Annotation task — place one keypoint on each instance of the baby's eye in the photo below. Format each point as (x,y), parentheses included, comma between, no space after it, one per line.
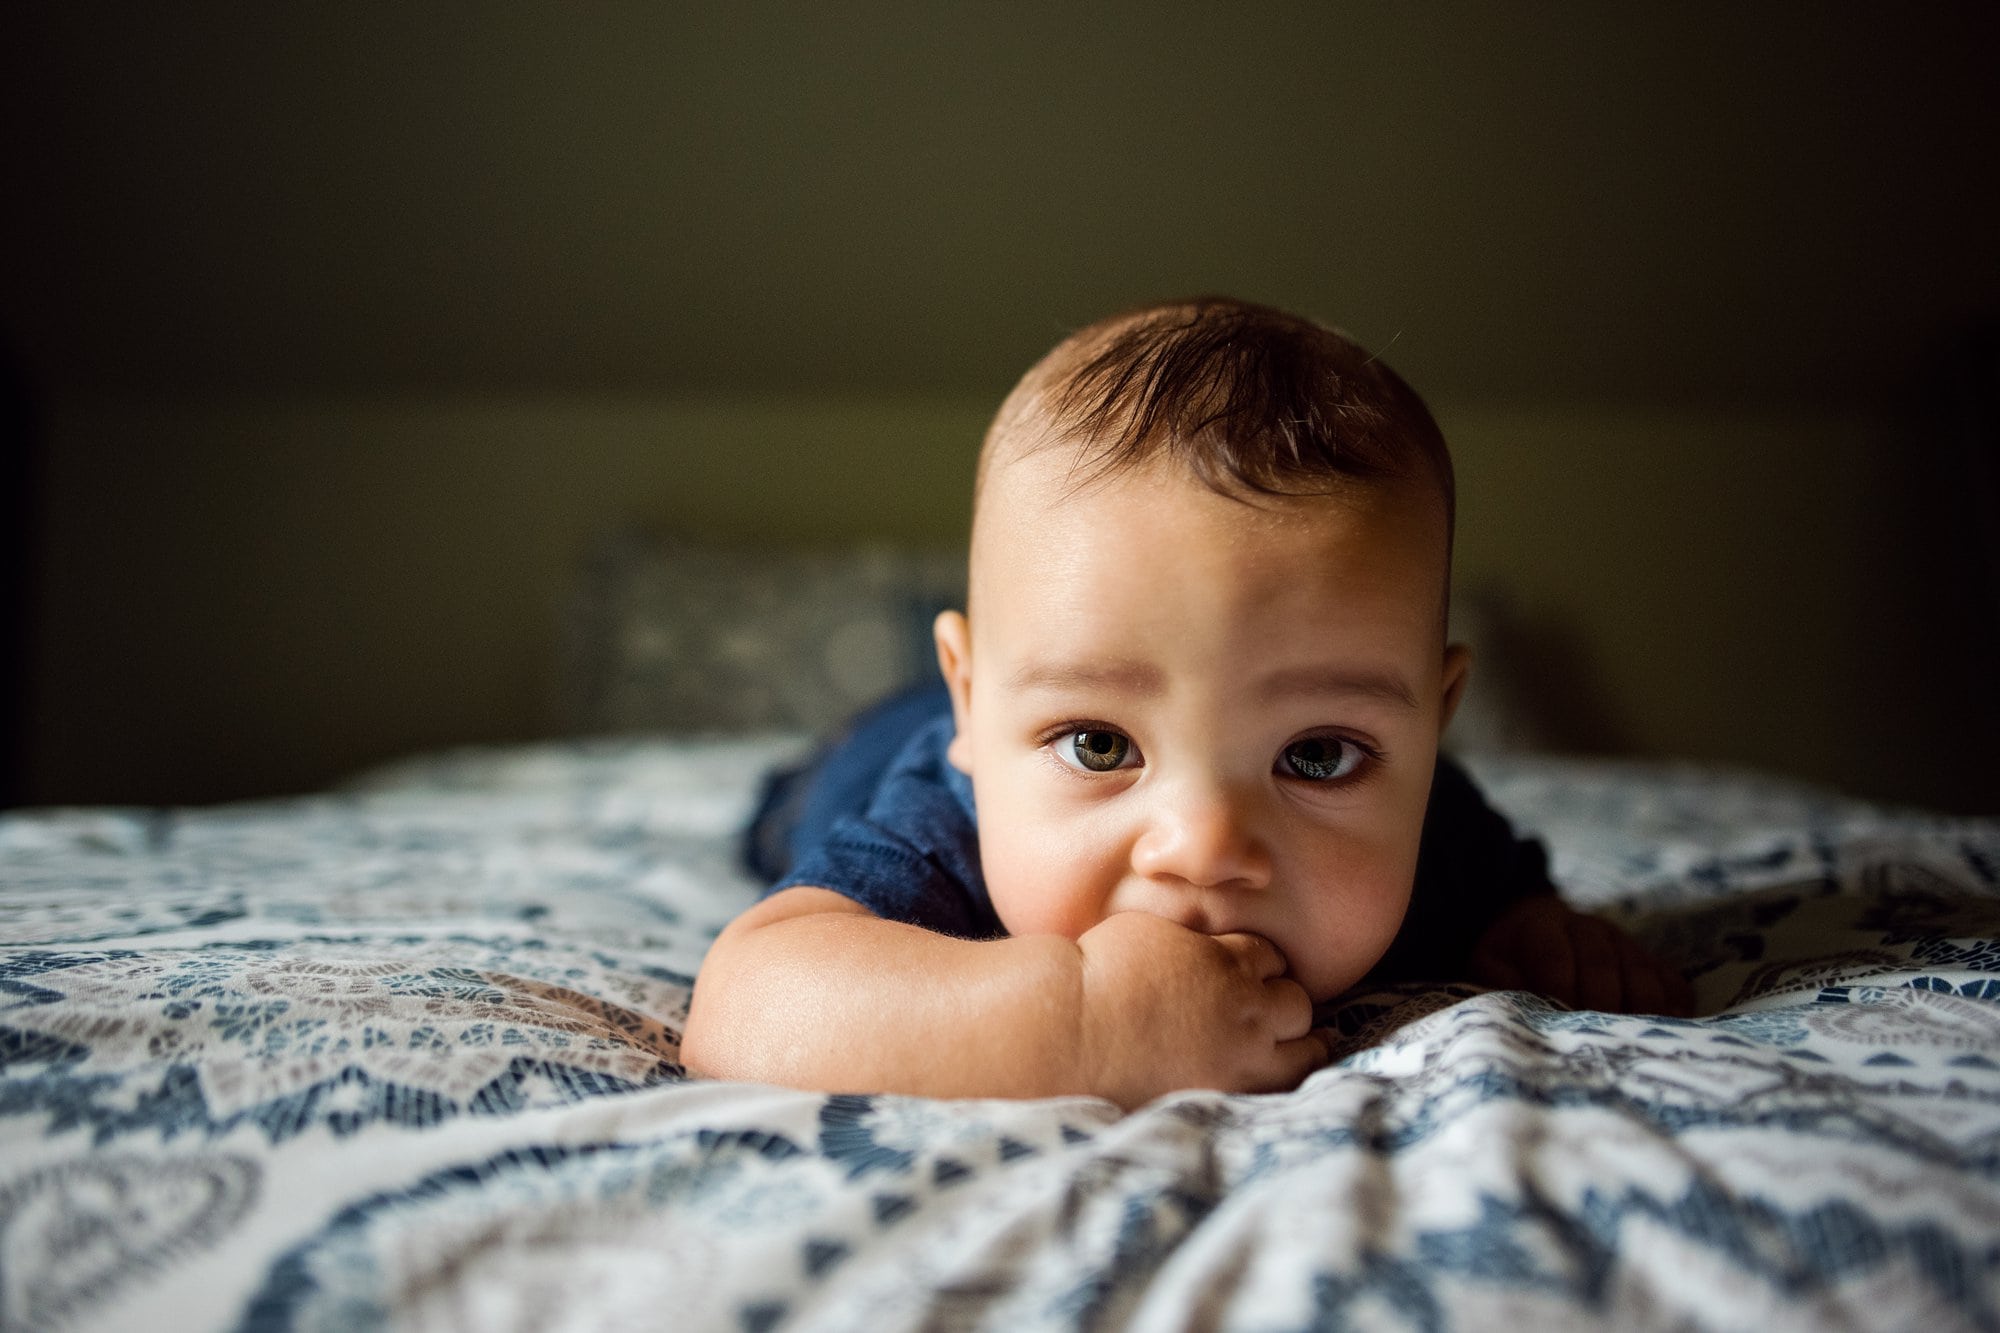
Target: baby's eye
(1094,750)
(1322,759)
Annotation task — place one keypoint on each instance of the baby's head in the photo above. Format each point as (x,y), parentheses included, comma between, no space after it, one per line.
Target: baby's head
(1203,669)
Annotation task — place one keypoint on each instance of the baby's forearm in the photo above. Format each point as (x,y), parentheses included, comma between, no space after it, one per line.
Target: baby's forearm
(843,1001)
(809,989)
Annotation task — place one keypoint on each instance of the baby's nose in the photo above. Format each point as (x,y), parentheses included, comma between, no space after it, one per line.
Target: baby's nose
(1205,837)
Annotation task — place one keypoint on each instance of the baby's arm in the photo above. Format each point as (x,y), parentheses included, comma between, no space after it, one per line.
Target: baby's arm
(1542,944)
(812,990)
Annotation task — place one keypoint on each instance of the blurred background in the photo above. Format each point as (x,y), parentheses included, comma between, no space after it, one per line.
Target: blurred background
(333,336)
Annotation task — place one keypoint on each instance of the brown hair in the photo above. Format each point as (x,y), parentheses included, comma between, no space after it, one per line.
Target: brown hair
(1248,398)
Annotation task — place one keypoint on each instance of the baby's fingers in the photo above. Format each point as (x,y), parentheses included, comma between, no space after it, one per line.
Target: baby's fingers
(1651,987)
(1680,994)
(1257,954)
(1302,1055)
(1598,948)
(1491,970)
(1288,1064)
(1288,1008)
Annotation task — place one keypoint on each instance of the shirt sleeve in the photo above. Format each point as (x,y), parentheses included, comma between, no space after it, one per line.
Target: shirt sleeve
(1471,866)
(911,855)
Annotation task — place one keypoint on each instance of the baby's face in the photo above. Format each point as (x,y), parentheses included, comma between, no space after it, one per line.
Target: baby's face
(1173,702)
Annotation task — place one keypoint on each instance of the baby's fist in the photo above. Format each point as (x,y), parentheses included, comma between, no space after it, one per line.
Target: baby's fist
(1543,945)
(1167,1008)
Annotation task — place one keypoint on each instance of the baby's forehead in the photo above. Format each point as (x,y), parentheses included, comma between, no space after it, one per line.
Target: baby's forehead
(1037,513)
(1023,483)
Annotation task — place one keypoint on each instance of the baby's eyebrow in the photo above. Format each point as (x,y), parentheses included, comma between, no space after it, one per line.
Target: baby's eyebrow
(1145,679)
(1385,685)
(1140,678)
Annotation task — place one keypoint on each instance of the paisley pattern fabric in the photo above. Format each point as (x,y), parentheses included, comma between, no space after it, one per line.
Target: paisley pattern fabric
(407,1055)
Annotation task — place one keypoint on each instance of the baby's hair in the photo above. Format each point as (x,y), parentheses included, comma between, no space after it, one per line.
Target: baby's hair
(1248,398)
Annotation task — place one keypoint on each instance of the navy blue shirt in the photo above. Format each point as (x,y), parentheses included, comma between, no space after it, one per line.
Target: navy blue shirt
(882,817)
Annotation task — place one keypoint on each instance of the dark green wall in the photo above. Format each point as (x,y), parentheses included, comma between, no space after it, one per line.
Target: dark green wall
(1534,201)
(310,295)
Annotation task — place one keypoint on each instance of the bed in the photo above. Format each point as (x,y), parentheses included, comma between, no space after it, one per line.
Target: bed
(405,1054)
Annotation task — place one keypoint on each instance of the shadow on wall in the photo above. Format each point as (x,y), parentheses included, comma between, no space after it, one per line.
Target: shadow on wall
(1948,495)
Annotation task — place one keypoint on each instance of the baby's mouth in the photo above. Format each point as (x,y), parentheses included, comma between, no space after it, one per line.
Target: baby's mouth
(1191,911)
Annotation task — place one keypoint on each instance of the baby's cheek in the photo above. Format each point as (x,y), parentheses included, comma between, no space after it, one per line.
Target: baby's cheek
(1343,932)
(1041,886)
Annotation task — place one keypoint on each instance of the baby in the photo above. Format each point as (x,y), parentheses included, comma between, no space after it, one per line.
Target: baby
(1195,700)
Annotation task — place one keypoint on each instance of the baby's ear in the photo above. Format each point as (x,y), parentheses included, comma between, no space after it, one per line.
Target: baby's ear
(1457,671)
(953,634)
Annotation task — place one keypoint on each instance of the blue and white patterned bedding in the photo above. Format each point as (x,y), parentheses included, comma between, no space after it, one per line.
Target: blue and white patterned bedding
(406,1054)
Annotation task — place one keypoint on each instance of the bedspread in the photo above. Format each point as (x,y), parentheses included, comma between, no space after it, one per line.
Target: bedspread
(405,1054)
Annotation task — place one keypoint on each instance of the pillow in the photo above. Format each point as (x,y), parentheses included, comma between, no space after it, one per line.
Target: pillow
(672,635)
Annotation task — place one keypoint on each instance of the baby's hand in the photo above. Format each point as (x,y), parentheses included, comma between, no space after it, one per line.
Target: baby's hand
(1543,945)
(1165,1007)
